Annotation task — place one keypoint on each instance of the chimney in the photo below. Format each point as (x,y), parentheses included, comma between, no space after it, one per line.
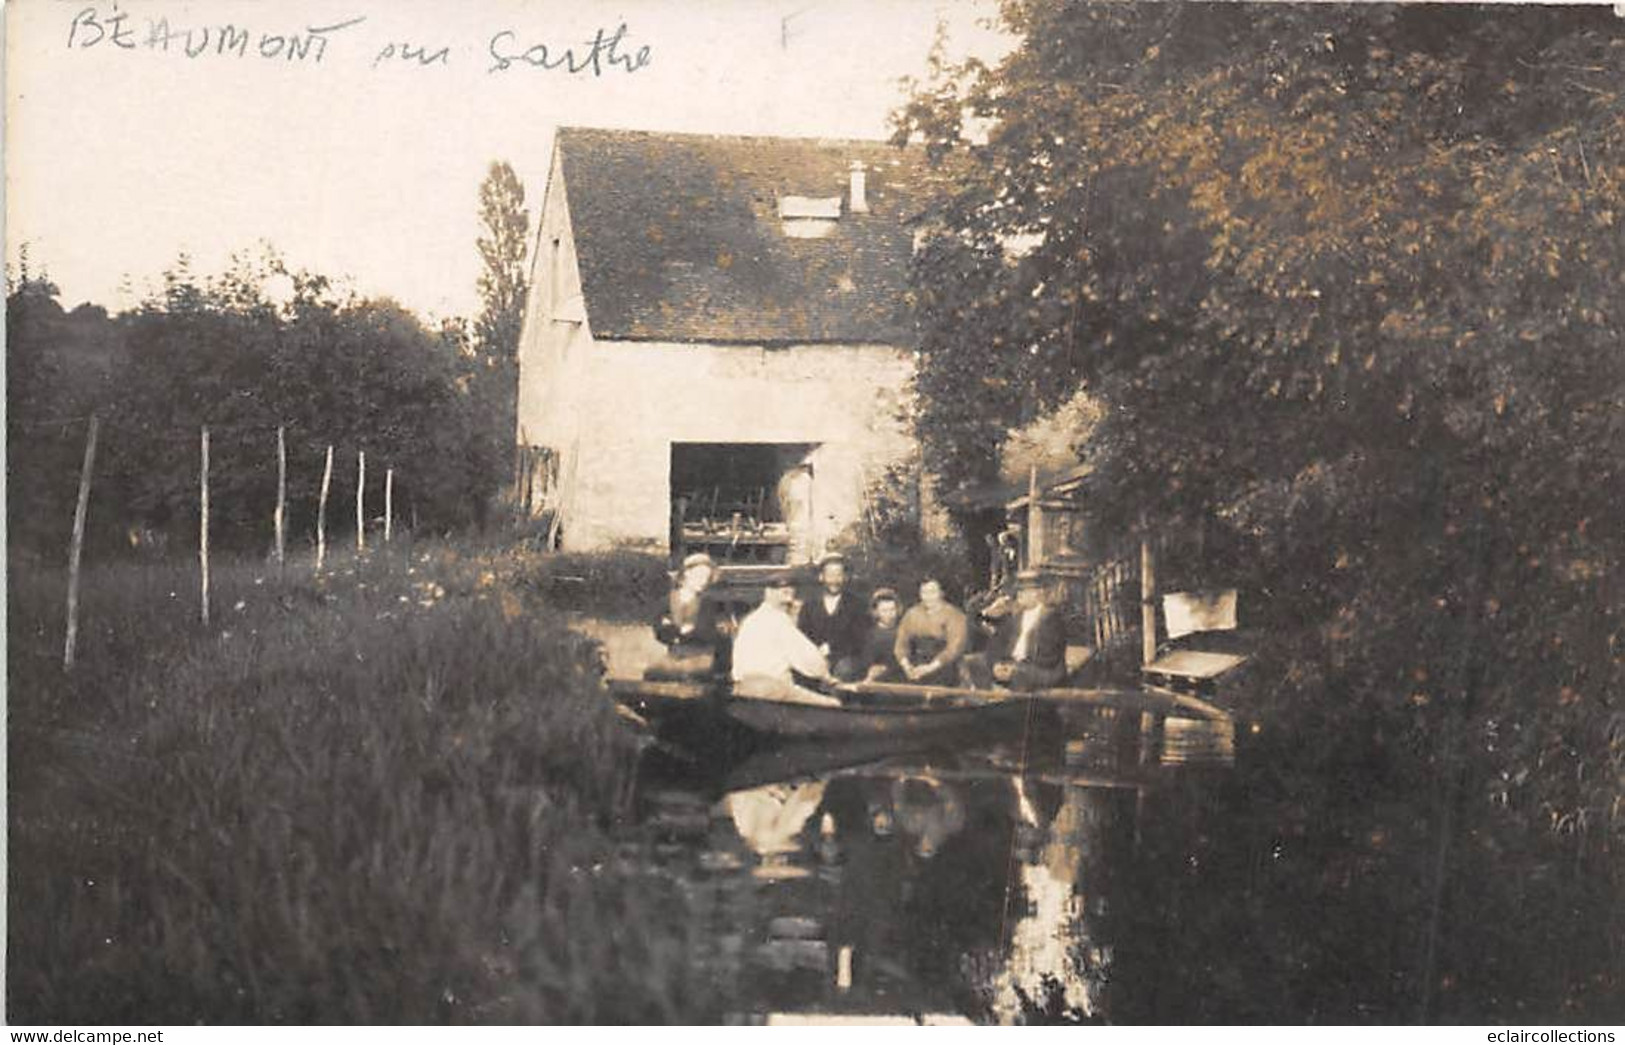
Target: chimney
(858,179)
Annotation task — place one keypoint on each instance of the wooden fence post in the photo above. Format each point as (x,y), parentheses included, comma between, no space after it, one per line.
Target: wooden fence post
(1150,734)
(361,501)
(1035,521)
(203,527)
(281,495)
(518,463)
(321,510)
(77,544)
(389,503)
(1148,598)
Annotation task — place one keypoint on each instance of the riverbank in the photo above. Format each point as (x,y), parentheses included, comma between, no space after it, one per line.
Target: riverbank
(381,794)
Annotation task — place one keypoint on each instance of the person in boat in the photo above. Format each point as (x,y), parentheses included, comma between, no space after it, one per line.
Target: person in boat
(770,651)
(880,649)
(1006,554)
(689,626)
(835,620)
(931,638)
(1028,650)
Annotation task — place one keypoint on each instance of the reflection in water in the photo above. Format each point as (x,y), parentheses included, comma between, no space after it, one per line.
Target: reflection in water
(770,818)
(922,885)
(927,811)
(1052,945)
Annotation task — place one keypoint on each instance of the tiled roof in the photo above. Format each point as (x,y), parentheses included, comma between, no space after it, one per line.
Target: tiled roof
(679,237)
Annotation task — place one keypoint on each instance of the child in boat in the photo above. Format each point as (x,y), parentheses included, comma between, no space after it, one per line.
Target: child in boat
(695,645)
(880,651)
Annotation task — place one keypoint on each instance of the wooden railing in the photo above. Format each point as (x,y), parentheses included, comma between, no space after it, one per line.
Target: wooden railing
(1110,604)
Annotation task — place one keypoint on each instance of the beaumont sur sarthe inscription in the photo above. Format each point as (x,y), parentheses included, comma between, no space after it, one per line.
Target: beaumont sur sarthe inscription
(110,28)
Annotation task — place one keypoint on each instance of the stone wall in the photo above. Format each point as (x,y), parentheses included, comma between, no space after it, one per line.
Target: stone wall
(633,400)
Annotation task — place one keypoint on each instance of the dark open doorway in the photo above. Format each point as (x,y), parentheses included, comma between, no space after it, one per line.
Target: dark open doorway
(740,502)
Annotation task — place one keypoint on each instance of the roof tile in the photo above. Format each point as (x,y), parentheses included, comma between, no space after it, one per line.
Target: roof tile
(678,237)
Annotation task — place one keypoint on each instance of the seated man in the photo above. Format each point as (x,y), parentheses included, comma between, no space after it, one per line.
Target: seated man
(695,644)
(931,638)
(769,648)
(880,652)
(835,621)
(1029,650)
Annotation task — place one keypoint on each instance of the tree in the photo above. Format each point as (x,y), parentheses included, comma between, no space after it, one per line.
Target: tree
(59,367)
(1347,280)
(494,383)
(502,248)
(360,374)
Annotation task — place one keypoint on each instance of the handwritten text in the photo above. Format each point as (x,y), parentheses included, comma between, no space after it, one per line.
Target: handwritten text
(94,28)
(601,52)
(105,27)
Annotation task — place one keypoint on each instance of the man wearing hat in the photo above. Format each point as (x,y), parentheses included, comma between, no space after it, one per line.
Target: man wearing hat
(1029,649)
(769,648)
(688,627)
(835,621)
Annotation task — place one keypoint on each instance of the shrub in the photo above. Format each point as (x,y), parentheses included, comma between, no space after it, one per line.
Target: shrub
(622,584)
(374,798)
(903,567)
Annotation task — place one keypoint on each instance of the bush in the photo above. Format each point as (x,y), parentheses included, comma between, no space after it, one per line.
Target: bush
(615,585)
(872,566)
(377,797)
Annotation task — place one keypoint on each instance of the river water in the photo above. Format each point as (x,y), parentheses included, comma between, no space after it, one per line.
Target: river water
(975,880)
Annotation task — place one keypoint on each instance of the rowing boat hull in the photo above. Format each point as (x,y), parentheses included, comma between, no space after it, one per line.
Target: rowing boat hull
(688,707)
(804,721)
(709,712)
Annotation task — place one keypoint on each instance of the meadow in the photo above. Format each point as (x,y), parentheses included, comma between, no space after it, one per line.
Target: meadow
(380,794)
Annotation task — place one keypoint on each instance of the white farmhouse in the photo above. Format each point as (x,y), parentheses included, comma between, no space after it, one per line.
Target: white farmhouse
(716,349)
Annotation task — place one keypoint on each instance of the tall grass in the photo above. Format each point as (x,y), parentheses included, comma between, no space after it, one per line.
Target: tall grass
(380,797)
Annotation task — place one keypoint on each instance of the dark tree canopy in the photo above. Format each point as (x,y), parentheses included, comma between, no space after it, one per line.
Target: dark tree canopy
(1348,280)
(224,352)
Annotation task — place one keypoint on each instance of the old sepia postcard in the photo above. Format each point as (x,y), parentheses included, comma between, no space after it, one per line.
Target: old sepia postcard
(779,512)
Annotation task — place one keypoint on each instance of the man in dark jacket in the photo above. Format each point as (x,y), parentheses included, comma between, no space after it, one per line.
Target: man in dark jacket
(1029,649)
(836,621)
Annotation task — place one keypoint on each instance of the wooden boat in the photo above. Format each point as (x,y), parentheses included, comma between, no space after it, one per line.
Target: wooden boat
(709,710)
(864,712)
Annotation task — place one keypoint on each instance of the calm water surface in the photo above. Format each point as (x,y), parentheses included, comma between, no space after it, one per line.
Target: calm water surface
(972,881)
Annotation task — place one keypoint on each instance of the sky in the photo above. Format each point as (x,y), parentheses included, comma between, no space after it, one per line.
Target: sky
(358,151)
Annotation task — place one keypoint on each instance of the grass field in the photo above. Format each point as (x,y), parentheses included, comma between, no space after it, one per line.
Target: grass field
(380,795)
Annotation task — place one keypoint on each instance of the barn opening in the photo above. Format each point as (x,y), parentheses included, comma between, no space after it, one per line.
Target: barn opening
(742,502)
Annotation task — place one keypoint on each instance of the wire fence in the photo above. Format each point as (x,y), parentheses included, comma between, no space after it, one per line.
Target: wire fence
(373,500)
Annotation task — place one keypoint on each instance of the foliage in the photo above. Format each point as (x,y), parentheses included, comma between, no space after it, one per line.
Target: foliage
(620,584)
(372,797)
(502,282)
(1345,278)
(495,345)
(227,353)
(903,566)
(58,365)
